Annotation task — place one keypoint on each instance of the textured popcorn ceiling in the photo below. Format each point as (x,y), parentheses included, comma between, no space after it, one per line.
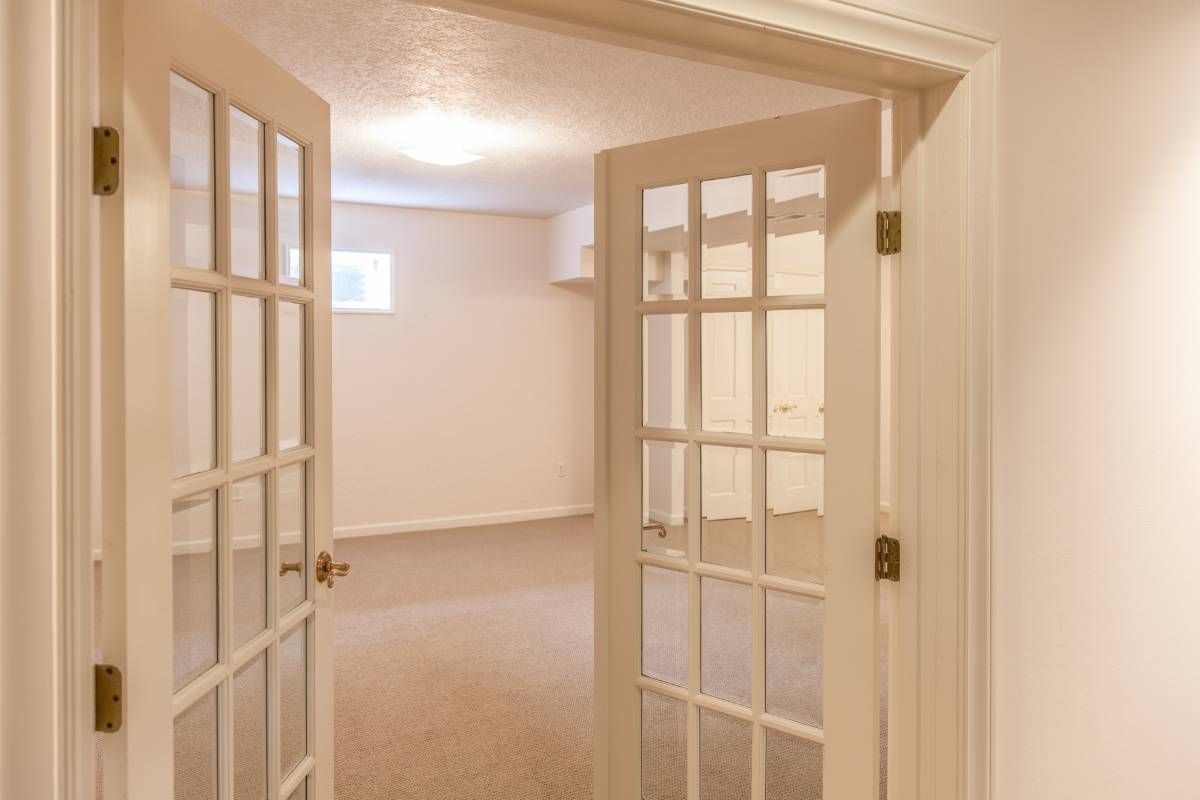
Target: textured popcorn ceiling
(554,99)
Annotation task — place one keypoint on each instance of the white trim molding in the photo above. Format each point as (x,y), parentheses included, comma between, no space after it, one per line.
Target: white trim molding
(463,521)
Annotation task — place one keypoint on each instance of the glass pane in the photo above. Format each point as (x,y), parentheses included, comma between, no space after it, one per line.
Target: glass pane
(248,390)
(664,748)
(726,762)
(293,699)
(247,241)
(250,730)
(665,243)
(664,370)
(290,204)
(665,625)
(196,750)
(194,559)
(193,382)
(727,372)
(291,375)
(726,230)
(664,498)
(794,767)
(796,231)
(191,175)
(796,515)
(796,373)
(726,640)
(795,657)
(726,478)
(248,520)
(292,515)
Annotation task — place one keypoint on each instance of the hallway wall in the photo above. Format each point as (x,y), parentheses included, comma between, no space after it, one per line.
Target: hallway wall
(458,408)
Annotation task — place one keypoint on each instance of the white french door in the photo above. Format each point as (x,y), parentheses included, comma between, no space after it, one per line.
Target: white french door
(737,610)
(216,408)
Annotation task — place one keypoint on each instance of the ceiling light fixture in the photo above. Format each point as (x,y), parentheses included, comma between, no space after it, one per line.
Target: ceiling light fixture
(445,139)
(443,156)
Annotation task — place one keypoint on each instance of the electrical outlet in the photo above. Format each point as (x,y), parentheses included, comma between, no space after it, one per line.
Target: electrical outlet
(562,470)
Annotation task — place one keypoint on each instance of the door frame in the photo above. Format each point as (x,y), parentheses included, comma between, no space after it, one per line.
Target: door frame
(942,79)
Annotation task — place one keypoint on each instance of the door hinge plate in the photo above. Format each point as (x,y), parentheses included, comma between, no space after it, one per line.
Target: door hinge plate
(887,559)
(106,160)
(110,698)
(887,232)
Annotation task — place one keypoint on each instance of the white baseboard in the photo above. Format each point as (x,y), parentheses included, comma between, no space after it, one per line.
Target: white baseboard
(465,521)
(189,547)
(406,526)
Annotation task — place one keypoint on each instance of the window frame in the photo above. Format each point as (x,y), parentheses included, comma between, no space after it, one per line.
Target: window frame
(391,254)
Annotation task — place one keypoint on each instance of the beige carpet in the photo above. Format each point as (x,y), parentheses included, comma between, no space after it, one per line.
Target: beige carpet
(464,671)
(464,664)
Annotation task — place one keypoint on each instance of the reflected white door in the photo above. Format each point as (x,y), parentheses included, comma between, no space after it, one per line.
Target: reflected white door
(216,408)
(738,658)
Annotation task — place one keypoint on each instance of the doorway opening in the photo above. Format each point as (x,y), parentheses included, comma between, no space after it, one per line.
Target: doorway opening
(463,398)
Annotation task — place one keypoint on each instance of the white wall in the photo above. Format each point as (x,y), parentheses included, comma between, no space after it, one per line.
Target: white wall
(1096,399)
(464,401)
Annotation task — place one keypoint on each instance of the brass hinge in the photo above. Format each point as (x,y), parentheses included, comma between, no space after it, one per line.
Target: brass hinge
(106,160)
(109,698)
(887,559)
(887,232)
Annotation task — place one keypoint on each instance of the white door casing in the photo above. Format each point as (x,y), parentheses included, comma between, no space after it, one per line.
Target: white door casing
(845,140)
(215,411)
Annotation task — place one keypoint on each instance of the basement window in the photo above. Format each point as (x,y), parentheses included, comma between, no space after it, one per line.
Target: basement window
(362,282)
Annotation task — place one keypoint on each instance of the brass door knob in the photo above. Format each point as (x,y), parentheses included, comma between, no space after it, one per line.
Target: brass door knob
(290,566)
(327,568)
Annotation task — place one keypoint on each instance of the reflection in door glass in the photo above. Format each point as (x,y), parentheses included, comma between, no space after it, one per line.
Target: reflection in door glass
(293,699)
(246,204)
(796,373)
(248,524)
(291,519)
(664,370)
(794,767)
(664,498)
(795,518)
(194,585)
(665,243)
(795,636)
(726,477)
(796,231)
(292,372)
(664,748)
(726,759)
(193,382)
(250,730)
(290,205)
(726,639)
(726,231)
(191,175)
(196,750)
(665,624)
(248,376)
(726,372)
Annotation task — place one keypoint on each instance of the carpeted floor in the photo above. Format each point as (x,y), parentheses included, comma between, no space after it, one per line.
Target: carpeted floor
(464,664)
(463,671)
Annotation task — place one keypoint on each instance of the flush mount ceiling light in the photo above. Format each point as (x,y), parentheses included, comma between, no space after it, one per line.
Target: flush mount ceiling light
(444,139)
(442,156)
